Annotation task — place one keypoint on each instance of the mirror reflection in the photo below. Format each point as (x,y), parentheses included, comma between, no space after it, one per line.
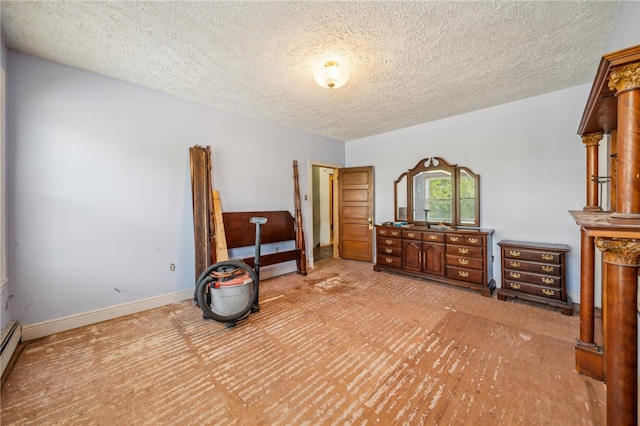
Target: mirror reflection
(436,192)
(467,193)
(401,198)
(432,191)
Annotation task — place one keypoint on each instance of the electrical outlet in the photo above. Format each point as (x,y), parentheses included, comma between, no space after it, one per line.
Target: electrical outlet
(172,266)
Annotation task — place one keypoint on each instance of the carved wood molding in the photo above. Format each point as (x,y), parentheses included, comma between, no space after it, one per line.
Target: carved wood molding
(619,251)
(592,139)
(625,78)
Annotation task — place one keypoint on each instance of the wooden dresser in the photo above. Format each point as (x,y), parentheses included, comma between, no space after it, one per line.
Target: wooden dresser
(535,272)
(460,257)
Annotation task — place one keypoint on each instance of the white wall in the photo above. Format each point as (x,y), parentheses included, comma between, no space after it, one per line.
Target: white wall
(529,157)
(99,193)
(625,31)
(5,305)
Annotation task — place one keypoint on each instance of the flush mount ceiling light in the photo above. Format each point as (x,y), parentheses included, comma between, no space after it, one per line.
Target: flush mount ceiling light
(331,76)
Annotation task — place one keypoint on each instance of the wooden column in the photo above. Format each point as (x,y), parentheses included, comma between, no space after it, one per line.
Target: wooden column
(589,355)
(613,169)
(589,359)
(621,257)
(626,81)
(592,143)
(584,362)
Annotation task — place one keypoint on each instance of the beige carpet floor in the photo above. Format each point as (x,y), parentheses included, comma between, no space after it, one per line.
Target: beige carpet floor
(342,346)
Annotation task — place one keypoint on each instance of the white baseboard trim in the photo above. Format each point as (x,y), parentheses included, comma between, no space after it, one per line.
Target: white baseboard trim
(58,325)
(574,296)
(49,327)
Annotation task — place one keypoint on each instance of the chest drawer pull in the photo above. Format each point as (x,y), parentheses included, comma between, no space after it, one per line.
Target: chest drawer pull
(514,275)
(547,257)
(514,253)
(548,292)
(433,237)
(411,234)
(388,250)
(473,240)
(382,232)
(388,241)
(388,259)
(548,280)
(463,250)
(395,233)
(514,264)
(463,261)
(463,274)
(515,286)
(547,268)
(453,238)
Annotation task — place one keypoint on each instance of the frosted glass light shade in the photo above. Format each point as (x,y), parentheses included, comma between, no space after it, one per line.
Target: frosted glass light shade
(331,76)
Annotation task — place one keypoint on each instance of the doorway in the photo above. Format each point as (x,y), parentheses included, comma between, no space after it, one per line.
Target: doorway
(323,180)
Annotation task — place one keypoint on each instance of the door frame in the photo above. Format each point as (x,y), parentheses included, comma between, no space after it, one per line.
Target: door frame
(336,236)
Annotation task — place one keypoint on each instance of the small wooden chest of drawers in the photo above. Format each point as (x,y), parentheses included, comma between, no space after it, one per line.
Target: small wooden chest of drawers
(535,272)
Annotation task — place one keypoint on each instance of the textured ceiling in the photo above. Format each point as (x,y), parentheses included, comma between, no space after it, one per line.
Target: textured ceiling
(410,62)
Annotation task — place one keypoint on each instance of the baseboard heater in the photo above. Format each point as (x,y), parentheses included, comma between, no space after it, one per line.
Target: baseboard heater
(11,336)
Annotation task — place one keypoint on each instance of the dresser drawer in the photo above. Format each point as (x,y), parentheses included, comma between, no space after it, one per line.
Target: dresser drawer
(433,237)
(389,232)
(463,274)
(393,261)
(536,256)
(536,290)
(465,262)
(464,251)
(527,277)
(412,235)
(540,268)
(388,242)
(465,239)
(390,250)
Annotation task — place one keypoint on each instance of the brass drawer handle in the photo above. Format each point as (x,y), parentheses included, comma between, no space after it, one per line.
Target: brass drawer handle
(548,292)
(388,250)
(463,261)
(388,241)
(463,274)
(515,286)
(463,250)
(514,264)
(547,268)
(547,257)
(453,238)
(514,275)
(411,234)
(433,237)
(473,240)
(395,233)
(514,253)
(383,232)
(548,280)
(388,259)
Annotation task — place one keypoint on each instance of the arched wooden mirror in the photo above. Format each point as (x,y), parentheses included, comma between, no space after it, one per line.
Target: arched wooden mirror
(402,206)
(436,192)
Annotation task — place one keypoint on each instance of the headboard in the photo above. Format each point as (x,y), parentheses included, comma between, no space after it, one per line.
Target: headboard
(280,227)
